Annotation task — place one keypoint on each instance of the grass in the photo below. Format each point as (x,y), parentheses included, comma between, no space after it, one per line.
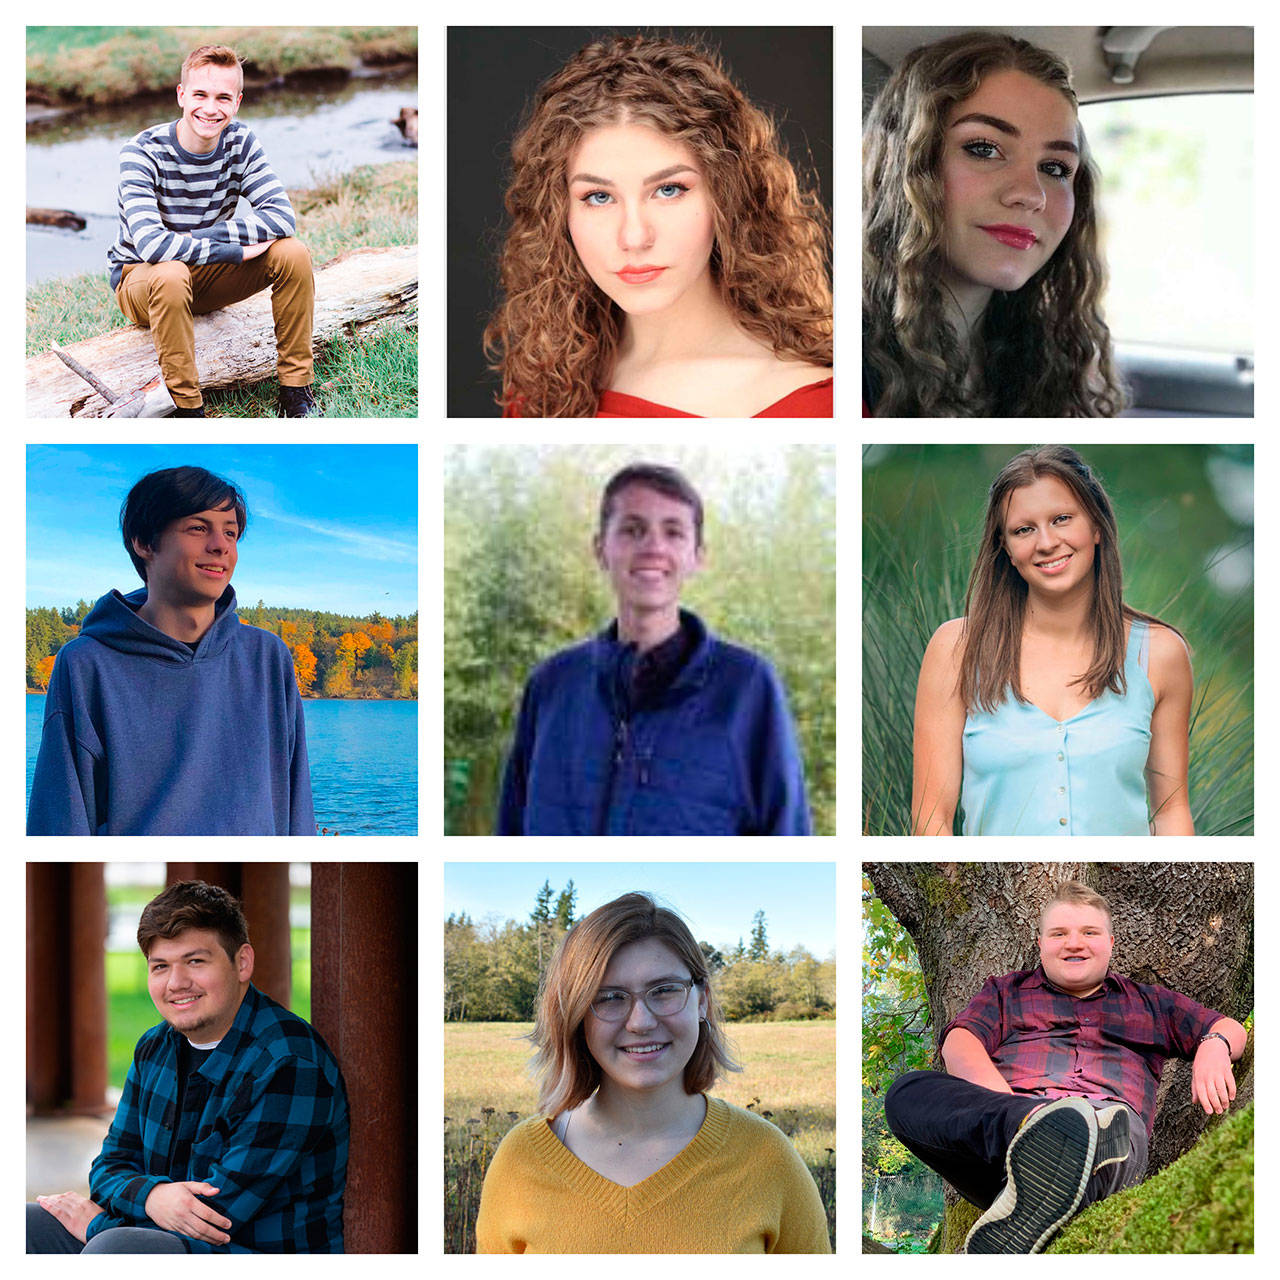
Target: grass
(376,377)
(789,1078)
(920,531)
(114,64)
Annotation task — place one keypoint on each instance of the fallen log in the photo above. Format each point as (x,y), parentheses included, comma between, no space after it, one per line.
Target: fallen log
(55,218)
(407,123)
(361,293)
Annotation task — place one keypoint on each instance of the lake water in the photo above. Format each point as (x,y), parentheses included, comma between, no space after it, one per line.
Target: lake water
(73,162)
(364,763)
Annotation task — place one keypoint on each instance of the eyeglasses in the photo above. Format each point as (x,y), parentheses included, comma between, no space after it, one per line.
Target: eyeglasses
(612,1004)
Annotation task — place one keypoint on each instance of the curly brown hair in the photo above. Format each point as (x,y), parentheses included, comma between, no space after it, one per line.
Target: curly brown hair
(555,335)
(1045,349)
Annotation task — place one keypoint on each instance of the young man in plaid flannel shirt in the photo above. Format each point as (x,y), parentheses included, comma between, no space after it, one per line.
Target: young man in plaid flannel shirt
(231,1136)
(1050,1091)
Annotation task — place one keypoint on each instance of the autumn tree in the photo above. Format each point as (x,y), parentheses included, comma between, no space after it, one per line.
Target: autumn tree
(304,667)
(1183,925)
(44,671)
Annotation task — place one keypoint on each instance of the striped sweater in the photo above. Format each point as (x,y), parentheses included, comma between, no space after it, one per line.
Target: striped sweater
(176,205)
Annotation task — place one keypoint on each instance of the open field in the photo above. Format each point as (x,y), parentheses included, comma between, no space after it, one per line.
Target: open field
(789,1076)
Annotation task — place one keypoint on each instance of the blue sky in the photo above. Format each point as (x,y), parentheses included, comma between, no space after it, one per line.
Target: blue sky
(718,899)
(331,527)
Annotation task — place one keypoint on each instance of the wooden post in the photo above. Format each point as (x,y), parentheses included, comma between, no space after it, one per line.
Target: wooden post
(265,899)
(364,980)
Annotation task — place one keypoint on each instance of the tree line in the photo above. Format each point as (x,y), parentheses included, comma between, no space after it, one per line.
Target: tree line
(492,969)
(334,655)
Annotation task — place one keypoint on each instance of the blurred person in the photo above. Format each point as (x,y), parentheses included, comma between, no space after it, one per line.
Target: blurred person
(655,726)
(662,260)
(628,1153)
(982,276)
(231,1135)
(1048,1100)
(1052,708)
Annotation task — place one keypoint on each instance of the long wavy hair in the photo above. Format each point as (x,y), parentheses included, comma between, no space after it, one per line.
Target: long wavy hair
(1044,349)
(555,335)
(568,1074)
(996,601)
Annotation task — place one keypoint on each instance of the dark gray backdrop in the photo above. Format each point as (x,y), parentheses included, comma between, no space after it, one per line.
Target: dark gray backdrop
(492,75)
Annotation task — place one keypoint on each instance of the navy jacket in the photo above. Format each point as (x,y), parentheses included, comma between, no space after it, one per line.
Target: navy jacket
(716,755)
(271,1134)
(142,737)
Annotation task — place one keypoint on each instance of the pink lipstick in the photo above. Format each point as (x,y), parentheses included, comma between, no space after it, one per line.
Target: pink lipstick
(639,275)
(1014,237)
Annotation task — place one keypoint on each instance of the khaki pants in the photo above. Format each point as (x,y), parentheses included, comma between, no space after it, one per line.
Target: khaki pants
(165,295)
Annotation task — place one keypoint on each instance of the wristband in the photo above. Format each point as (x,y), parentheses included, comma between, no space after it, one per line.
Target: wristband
(1217,1035)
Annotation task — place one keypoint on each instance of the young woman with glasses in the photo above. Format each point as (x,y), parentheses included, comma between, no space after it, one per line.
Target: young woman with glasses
(627,1153)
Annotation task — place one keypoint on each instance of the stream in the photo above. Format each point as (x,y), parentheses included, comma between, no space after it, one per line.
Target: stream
(308,134)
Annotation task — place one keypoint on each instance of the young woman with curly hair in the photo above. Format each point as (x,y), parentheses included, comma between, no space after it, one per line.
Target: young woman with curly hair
(1052,708)
(662,259)
(628,1152)
(982,279)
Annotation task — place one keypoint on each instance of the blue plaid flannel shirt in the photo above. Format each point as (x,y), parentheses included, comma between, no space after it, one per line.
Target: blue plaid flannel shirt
(271,1136)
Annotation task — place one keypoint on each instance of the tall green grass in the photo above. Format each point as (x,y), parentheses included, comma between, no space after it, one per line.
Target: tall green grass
(920,534)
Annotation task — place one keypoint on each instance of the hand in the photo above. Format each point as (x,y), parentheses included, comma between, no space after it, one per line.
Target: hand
(73,1210)
(175,1207)
(1213,1085)
(253,250)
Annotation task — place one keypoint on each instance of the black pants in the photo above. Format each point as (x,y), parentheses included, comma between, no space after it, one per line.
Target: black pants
(962,1131)
(45,1234)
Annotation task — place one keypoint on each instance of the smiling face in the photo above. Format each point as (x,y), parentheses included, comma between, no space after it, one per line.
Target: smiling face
(648,548)
(194,984)
(640,216)
(209,98)
(1049,538)
(1009,156)
(1075,947)
(645,1052)
(193,559)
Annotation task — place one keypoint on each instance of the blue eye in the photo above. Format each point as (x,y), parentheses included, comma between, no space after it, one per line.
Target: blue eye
(590,199)
(676,189)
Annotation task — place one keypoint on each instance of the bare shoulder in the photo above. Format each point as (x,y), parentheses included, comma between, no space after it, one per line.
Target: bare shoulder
(1169,662)
(946,645)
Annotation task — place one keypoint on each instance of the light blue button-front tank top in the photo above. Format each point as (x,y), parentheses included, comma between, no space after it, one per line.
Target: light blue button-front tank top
(1027,774)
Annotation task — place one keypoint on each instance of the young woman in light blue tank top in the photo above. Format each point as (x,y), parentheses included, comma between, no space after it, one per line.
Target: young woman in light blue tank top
(1051,708)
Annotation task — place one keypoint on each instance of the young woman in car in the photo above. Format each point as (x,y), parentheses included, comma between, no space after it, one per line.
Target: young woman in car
(982,279)
(628,1154)
(1051,708)
(662,260)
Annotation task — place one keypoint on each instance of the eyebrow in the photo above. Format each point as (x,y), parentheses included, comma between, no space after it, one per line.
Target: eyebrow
(1013,131)
(199,951)
(653,177)
(652,982)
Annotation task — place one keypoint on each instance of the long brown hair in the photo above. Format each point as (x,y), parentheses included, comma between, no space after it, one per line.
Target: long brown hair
(568,1074)
(1045,349)
(555,335)
(996,601)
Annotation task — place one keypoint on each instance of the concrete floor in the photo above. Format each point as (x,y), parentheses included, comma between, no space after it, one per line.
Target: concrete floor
(59,1152)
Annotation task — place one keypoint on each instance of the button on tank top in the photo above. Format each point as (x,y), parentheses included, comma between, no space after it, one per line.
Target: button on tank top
(1027,774)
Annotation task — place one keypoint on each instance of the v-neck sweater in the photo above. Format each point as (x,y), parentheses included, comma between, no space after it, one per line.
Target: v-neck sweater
(738,1187)
(1027,774)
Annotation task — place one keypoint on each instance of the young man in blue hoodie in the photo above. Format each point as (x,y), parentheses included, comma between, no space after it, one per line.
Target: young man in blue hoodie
(166,716)
(655,726)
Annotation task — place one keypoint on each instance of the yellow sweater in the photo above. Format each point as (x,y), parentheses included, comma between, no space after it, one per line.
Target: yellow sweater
(738,1187)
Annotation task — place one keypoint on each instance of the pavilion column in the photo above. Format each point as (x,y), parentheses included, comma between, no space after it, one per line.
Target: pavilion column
(364,979)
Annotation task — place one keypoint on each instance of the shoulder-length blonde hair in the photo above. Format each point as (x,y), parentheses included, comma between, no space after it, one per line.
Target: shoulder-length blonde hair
(567,1073)
(555,335)
(996,601)
(1045,349)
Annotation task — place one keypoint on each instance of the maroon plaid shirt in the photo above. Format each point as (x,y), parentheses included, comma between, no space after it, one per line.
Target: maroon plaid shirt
(1110,1045)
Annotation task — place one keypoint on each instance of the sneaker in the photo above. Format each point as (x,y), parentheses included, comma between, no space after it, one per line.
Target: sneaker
(179,412)
(298,402)
(1113,1136)
(1047,1166)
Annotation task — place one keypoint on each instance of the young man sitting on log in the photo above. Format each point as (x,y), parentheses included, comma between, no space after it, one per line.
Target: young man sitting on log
(180,253)
(1050,1093)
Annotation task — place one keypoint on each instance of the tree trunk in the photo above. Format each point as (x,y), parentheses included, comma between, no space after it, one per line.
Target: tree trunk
(1183,925)
(360,293)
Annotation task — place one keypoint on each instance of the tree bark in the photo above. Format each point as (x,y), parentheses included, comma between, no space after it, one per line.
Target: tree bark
(360,293)
(1183,925)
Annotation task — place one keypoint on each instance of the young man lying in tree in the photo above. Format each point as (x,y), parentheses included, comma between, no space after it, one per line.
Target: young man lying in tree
(1050,1093)
(180,253)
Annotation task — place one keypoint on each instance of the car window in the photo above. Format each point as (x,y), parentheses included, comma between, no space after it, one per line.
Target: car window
(1177,217)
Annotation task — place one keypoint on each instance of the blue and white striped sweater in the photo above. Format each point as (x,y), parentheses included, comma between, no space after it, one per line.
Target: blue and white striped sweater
(177,205)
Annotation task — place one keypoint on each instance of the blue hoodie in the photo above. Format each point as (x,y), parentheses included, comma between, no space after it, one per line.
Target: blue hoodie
(144,737)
